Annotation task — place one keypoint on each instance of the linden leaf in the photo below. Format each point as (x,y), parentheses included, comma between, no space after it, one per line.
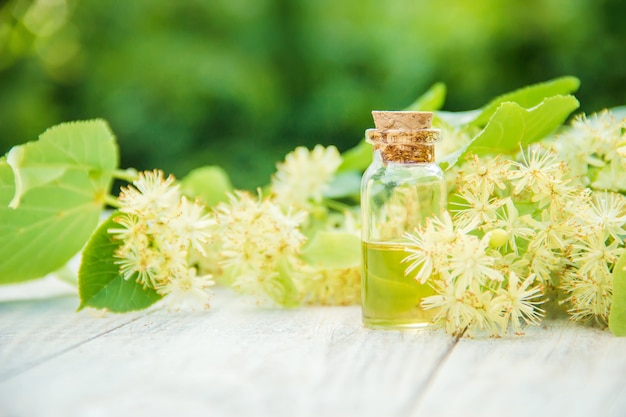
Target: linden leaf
(100,284)
(344,184)
(52,193)
(529,96)
(333,249)
(512,126)
(285,293)
(357,158)
(210,183)
(431,100)
(617,316)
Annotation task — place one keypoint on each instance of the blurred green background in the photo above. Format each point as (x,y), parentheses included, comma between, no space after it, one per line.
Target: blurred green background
(241,82)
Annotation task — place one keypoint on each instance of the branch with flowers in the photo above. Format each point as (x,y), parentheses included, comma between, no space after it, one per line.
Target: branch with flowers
(535,224)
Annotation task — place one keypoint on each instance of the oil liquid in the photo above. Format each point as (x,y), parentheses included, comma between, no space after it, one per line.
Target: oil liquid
(391,299)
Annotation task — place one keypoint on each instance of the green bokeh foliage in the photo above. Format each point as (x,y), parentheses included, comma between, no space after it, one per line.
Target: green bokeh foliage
(240,82)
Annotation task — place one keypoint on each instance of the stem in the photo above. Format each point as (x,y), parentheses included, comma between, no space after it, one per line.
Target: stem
(336,205)
(128,175)
(67,275)
(111,201)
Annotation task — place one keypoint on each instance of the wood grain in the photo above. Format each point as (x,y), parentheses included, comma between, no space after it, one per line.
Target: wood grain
(242,360)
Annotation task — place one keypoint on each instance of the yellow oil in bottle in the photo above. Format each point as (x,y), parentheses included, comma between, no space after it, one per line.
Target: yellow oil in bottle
(391,299)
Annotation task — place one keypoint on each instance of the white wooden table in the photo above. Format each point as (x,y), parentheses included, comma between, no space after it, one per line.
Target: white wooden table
(241,360)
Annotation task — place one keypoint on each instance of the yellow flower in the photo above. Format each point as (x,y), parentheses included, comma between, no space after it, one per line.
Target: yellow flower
(590,294)
(519,302)
(150,195)
(607,211)
(301,180)
(539,170)
(484,174)
(470,261)
(428,247)
(257,241)
(192,224)
(157,229)
(594,148)
(187,290)
(515,226)
(468,312)
(479,208)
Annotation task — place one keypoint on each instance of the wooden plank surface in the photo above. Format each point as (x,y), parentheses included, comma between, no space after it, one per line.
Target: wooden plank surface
(238,359)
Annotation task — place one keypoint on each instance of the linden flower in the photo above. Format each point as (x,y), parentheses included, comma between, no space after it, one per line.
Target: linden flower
(471,310)
(139,263)
(591,253)
(320,286)
(543,261)
(540,168)
(603,129)
(515,226)
(428,247)
(188,291)
(594,148)
(304,175)
(157,229)
(471,262)
(456,315)
(608,211)
(590,294)
(484,174)
(256,231)
(258,240)
(193,224)
(519,302)
(149,194)
(510,263)
(613,177)
(480,208)
(555,229)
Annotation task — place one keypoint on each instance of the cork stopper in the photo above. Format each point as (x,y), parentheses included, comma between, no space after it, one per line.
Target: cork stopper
(404,136)
(402,120)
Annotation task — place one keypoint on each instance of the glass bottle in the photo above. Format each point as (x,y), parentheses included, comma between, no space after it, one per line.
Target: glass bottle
(400,189)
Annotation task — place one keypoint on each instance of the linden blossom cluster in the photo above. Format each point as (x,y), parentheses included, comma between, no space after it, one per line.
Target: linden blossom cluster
(300,180)
(522,232)
(158,228)
(259,238)
(252,243)
(595,149)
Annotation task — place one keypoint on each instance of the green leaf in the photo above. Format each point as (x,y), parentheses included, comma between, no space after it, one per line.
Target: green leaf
(526,97)
(431,100)
(512,125)
(459,119)
(210,183)
(100,284)
(357,158)
(345,184)
(52,192)
(529,96)
(285,293)
(333,249)
(617,316)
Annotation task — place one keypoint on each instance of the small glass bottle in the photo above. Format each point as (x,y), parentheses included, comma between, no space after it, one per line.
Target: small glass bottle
(400,189)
